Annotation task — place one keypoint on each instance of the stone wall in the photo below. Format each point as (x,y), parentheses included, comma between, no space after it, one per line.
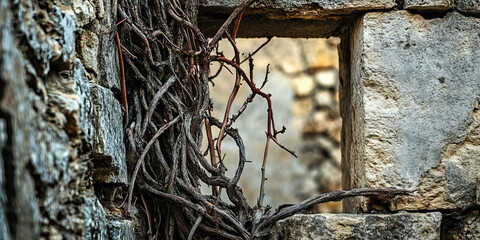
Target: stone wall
(60,139)
(409,90)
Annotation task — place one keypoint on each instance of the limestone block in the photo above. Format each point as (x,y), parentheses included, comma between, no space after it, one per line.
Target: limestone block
(478,192)
(319,54)
(327,79)
(286,18)
(51,37)
(304,85)
(120,230)
(3,197)
(88,45)
(467,6)
(289,50)
(108,149)
(94,221)
(428,4)
(64,22)
(414,105)
(359,226)
(84,11)
(19,187)
(66,115)
(320,4)
(109,72)
(84,116)
(324,98)
(466,226)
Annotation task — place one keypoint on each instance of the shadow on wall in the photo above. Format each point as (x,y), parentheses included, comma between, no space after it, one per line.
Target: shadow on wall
(303,81)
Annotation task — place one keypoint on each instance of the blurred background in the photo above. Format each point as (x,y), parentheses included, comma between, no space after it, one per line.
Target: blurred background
(303,81)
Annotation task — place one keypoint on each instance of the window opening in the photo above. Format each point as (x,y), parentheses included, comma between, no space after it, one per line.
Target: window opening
(303,81)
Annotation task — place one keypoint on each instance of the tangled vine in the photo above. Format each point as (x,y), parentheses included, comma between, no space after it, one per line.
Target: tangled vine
(166,98)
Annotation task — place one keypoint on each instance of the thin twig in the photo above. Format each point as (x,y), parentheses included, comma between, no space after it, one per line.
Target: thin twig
(256,50)
(122,80)
(223,29)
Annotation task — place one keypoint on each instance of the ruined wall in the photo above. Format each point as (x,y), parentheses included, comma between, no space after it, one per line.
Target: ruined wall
(409,90)
(61,138)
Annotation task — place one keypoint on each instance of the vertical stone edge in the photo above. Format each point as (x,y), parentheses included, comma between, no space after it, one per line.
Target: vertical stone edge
(351,109)
(21,209)
(4,233)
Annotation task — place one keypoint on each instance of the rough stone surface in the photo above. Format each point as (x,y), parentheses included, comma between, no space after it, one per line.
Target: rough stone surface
(108,74)
(284,18)
(296,5)
(465,226)
(108,150)
(85,12)
(95,221)
(356,226)
(3,197)
(21,207)
(410,107)
(468,6)
(413,125)
(478,191)
(120,230)
(88,49)
(47,120)
(431,5)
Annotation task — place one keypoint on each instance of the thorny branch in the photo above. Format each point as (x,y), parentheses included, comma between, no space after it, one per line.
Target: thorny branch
(166,60)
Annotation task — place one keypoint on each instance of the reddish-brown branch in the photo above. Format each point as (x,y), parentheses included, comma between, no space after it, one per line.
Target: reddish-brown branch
(168,164)
(211,148)
(253,88)
(122,79)
(270,122)
(236,86)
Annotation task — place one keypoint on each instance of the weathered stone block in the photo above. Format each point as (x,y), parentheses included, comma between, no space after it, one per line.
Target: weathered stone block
(109,72)
(67,114)
(468,6)
(414,109)
(3,196)
(88,45)
(108,150)
(21,202)
(84,11)
(461,227)
(120,230)
(285,18)
(95,220)
(356,226)
(429,5)
(84,117)
(296,5)
(478,191)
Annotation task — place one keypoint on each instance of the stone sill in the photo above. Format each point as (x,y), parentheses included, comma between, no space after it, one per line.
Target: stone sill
(359,226)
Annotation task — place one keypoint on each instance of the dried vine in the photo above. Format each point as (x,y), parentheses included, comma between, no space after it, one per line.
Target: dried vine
(167,61)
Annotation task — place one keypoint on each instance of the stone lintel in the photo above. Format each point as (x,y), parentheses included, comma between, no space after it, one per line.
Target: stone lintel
(285,18)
